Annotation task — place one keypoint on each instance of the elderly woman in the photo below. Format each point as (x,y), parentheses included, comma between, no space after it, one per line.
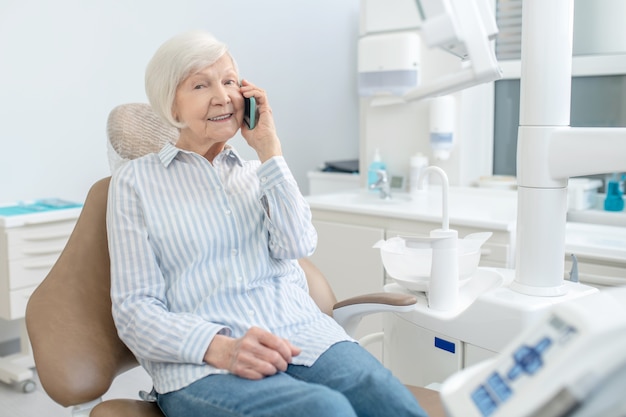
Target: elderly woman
(205,285)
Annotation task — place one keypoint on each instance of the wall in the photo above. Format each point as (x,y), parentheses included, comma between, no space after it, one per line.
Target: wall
(65,64)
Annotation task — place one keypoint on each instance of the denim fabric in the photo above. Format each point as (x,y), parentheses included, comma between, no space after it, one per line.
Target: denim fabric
(346,381)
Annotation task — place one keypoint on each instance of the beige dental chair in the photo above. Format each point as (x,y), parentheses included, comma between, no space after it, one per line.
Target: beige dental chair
(74,341)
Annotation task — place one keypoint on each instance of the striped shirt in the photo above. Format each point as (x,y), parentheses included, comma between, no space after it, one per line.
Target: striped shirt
(199,249)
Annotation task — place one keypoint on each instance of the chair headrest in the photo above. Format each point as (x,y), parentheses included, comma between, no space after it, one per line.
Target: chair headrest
(134,130)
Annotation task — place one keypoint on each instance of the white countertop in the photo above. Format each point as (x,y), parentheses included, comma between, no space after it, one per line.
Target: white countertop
(596,241)
(478,207)
(491,209)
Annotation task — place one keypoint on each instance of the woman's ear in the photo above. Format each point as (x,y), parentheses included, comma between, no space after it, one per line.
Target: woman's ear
(175,113)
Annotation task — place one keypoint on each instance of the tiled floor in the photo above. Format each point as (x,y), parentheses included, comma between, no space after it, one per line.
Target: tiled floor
(14,403)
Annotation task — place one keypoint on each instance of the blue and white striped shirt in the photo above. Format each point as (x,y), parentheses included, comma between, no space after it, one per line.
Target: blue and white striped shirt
(199,249)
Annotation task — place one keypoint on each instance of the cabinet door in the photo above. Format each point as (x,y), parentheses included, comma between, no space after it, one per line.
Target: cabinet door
(598,273)
(345,255)
(475,354)
(418,356)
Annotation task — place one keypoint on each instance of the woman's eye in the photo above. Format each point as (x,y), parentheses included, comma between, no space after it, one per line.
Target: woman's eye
(230,82)
(198,86)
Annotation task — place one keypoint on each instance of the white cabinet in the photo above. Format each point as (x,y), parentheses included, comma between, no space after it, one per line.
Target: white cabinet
(27,253)
(420,356)
(29,247)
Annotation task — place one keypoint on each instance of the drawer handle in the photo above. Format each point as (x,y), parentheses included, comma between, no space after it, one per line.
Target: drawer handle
(39,265)
(47,236)
(43,251)
(604,280)
(485,252)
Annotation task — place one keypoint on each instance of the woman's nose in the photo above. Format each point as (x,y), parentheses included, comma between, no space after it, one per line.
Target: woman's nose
(221,95)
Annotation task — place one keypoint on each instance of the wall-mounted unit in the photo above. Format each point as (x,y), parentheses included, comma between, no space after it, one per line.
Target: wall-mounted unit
(388,63)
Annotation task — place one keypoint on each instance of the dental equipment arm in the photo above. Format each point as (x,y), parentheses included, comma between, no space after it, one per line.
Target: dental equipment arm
(464,28)
(549,151)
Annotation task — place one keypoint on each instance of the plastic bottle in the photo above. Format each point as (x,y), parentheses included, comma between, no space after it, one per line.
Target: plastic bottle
(418,163)
(376,165)
(614,200)
(442,120)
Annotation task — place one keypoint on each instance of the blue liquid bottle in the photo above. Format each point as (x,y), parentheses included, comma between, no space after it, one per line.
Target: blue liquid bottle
(614,200)
(376,165)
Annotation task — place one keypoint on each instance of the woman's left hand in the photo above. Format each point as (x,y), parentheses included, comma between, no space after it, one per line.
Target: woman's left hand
(263,138)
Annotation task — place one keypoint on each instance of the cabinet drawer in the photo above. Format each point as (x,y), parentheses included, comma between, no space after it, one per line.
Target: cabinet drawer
(30,271)
(38,240)
(15,308)
(598,273)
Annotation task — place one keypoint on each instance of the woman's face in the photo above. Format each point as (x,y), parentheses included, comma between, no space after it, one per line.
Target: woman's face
(210,104)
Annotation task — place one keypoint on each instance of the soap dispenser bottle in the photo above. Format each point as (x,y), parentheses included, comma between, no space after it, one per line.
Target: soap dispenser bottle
(376,165)
(614,200)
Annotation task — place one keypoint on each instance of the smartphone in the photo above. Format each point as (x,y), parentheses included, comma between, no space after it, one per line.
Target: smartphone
(250,115)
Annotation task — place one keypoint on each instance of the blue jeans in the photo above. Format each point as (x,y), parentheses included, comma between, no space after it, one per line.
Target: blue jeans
(346,381)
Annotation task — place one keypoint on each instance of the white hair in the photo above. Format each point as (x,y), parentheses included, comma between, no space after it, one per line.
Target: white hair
(173,62)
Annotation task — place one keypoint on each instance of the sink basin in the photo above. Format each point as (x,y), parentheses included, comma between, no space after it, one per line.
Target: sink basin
(374,198)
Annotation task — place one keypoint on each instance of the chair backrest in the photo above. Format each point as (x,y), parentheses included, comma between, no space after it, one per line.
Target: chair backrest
(75,344)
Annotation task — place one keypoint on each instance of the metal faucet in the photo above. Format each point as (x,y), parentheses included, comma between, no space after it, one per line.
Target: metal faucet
(382,184)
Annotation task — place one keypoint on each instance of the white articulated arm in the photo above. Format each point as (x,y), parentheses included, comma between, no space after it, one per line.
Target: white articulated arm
(464,28)
(348,313)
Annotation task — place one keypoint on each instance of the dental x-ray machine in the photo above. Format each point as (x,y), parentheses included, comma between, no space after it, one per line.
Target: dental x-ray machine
(572,360)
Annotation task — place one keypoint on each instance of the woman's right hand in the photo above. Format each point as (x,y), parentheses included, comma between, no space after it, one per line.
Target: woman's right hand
(255,355)
(263,138)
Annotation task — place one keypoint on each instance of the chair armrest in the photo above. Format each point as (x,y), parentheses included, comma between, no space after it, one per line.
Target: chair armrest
(348,313)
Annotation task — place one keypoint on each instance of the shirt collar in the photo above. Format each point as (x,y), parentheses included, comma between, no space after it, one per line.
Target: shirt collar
(169,152)
(229,155)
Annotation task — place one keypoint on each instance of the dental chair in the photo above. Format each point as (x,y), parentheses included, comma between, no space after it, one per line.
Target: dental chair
(75,344)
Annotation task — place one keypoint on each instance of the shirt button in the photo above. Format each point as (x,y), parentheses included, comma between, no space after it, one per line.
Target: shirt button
(227,212)
(263,179)
(251,313)
(234,252)
(239,279)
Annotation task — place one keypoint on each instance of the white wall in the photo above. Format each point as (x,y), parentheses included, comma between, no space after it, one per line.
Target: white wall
(65,64)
